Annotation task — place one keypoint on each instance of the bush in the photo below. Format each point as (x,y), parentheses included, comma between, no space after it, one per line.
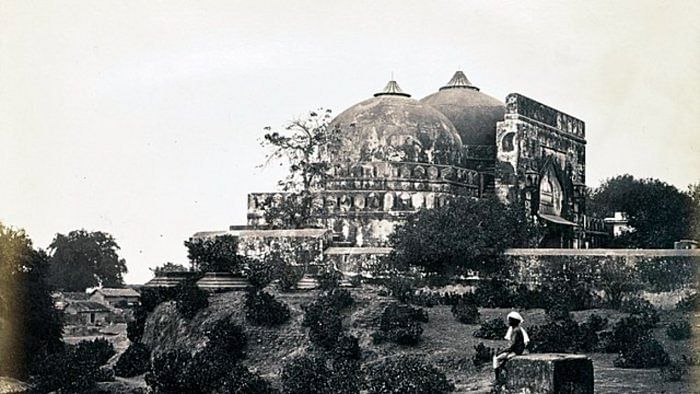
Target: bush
(679,330)
(329,280)
(674,372)
(401,288)
(689,303)
(466,313)
(554,337)
(401,324)
(492,329)
(310,375)
(596,322)
(494,293)
(325,328)
(338,299)
(190,299)
(347,347)
(149,300)
(228,337)
(483,354)
(263,309)
(642,308)
(134,361)
(646,353)
(259,273)
(405,374)
(208,371)
(289,276)
(626,333)
(426,299)
(74,369)
(98,350)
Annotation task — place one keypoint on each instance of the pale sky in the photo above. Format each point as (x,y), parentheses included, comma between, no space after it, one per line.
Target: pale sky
(143,118)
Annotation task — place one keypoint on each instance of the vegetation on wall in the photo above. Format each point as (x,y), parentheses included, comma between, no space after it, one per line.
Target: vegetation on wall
(217,254)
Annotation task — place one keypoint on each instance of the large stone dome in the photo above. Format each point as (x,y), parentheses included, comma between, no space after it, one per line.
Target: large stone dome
(473,114)
(392,127)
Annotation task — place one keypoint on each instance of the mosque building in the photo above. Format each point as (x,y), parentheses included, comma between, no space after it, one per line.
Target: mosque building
(397,155)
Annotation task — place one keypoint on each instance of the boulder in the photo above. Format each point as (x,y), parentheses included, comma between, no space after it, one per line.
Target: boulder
(546,373)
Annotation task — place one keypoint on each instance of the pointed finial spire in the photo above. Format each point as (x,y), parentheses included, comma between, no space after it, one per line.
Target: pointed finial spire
(392,89)
(459,80)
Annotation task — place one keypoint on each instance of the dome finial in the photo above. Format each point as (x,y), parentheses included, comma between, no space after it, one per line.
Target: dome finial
(459,80)
(392,89)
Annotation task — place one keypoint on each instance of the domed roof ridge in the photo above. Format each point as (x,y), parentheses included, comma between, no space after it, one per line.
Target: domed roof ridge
(392,89)
(459,80)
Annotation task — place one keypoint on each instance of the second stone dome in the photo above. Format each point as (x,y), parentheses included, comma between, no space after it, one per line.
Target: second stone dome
(393,127)
(473,114)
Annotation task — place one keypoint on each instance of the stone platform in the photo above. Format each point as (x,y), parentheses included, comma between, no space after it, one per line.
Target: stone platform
(546,373)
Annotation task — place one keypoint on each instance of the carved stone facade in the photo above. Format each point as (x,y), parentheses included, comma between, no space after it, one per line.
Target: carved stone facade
(541,163)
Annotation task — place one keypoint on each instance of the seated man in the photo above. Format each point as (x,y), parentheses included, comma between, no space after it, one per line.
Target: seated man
(518,341)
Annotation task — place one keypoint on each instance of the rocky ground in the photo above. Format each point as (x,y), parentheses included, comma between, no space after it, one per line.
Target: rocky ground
(447,343)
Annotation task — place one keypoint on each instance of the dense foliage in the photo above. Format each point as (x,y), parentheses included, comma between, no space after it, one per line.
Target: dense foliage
(260,273)
(463,235)
(679,330)
(658,212)
(565,335)
(482,354)
(646,353)
(401,324)
(217,254)
(168,267)
(324,320)
(135,361)
(149,300)
(190,299)
(309,375)
(214,369)
(85,259)
(29,324)
(263,309)
(466,313)
(492,329)
(405,374)
(74,369)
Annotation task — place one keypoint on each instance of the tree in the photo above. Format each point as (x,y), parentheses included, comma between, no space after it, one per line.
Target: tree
(168,267)
(85,259)
(305,145)
(217,254)
(694,194)
(29,323)
(658,212)
(463,235)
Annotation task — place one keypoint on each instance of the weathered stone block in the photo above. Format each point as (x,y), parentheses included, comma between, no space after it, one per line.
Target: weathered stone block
(547,373)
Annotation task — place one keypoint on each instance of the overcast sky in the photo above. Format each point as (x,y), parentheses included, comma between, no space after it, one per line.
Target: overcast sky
(143,119)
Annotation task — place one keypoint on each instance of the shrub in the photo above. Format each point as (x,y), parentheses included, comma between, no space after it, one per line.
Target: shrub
(338,299)
(554,337)
(642,308)
(134,361)
(405,374)
(679,330)
(305,375)
(482,354)
(494,293)
(401,288)
(466,313)
(492,329)
(674,371)
(289,276)
(190,299)
(626,333)
(228,337)
(325,328)
(401,324)
(596,322)
(329,280)
(690,303)
(74,369)
(347,347)
(646,353)
(263,309)
(259,273)
(426,299)
(317,375)
(98,350)
(208,371)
